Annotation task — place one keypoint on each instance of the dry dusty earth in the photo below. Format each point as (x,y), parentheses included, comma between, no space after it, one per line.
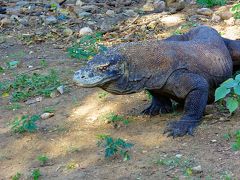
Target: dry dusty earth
(69,140)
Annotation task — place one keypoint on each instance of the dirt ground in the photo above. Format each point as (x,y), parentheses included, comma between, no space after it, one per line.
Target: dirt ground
(69,138)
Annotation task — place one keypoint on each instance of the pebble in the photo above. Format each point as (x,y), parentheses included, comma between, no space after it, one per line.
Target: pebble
(79,3)
(51,20)
(46,115)
(84,14)
(67,32)
(159,5)
(6,21)
(130,13)
(178,155)
(205,11)
(216,18)
(61,89)
(197,169)
(85,30)
(110,13)
(226,15)
(230,21)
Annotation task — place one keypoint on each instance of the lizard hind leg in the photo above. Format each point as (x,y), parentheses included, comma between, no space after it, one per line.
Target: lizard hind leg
(159,105)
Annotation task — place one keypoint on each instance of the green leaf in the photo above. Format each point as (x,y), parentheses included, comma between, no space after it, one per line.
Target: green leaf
(237,90)
(221,92)
(237,77)
(232,104)
(229,83)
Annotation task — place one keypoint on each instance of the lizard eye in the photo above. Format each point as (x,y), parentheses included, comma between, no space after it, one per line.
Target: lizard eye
(103,67)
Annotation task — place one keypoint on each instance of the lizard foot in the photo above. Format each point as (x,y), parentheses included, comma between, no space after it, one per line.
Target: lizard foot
(154,110)
(181,128)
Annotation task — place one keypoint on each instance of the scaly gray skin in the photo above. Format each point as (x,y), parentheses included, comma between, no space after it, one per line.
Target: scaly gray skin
(186,68)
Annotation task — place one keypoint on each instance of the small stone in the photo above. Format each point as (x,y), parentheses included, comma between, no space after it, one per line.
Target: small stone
(67,32)
(148,7)
(85,30)
(79,3)
(205,11)
(216,18)
(32,101)
(84,14)
(110,13)
(51,20)
(178,155)
(54,94)
(230,21)
(237,22)
(152,25)
(46,115)
(6,21)
(226,15)
(213,141)
(90,8)
(197,169)
(159,6)
(61,89)
(130,13)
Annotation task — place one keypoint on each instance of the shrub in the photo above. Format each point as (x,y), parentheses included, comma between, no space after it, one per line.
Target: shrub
(211,3)
(229,91)
(114,147)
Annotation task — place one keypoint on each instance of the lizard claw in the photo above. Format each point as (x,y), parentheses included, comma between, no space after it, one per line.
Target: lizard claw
(180,128)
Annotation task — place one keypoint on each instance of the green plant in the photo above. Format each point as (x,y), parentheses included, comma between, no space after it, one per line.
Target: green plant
(43,63)
(16,176)
(36,174)
(25,86)
(184,28)
(236,135)
(102,95)
(177,162)
(42,159)
(211,3)
(86,47)
(114,147)
(148,94)
(236,144)
(229,91)
(115,118)
(235,9)
(25,124)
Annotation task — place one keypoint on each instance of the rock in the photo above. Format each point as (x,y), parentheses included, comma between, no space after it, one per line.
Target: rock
(85,30)
(110,13)
(67,32)
(51,20)
(237,22)
(79,3)
(170,1)
(61,89)
(213,141)
(148,7)
(22,3)
(46,115)
(205,11)
(230,21)
(181,5)
(84,14)
(90,8)
(24,21)
(216,18)
(159,6)
(32,101)
(178,155)
(198,17)
(6,21)
(130,13)
(197,169)
(226,15)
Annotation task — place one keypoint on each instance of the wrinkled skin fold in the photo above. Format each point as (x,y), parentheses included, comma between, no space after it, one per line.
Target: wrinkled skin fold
(186,68)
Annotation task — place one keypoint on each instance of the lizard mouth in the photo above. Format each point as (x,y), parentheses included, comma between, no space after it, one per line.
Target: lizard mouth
(88,80)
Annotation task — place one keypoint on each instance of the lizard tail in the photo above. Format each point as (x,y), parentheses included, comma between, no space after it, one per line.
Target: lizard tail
(234,49)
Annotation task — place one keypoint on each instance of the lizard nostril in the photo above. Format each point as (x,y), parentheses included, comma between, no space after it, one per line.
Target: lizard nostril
(91,75)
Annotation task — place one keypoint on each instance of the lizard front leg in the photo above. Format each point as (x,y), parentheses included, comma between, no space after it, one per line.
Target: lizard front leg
(194,89)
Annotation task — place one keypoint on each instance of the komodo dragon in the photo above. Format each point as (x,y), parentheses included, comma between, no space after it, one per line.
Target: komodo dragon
(186,68)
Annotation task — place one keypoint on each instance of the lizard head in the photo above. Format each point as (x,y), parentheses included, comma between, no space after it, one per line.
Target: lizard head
(102,69)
